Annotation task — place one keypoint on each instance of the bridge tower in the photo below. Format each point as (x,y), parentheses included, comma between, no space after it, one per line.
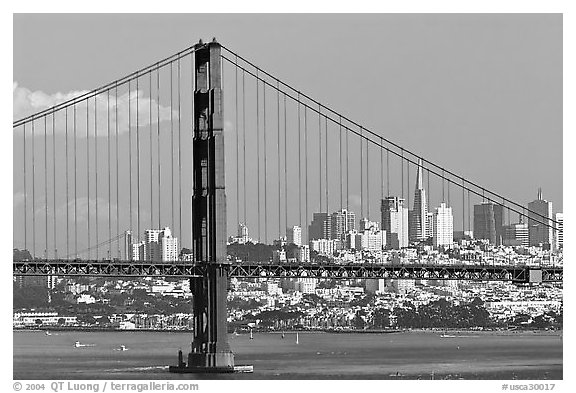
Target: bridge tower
(210,350)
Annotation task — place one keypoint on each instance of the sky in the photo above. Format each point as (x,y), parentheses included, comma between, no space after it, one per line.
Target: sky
(478,93)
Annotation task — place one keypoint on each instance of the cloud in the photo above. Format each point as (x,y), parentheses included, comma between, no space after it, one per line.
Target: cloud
(102,110)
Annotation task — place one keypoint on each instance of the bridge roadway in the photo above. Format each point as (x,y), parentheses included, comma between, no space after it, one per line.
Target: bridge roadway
(117,268)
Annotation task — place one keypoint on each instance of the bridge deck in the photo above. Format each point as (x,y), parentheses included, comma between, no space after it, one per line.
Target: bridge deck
(519,273)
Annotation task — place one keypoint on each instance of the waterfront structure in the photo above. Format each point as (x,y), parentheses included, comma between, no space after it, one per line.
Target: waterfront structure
(294,235)
(488,222)
(418,216)
(539,210)
(394,222)
(443,223)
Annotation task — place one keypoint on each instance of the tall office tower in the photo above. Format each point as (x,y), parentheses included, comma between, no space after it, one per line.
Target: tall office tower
(559,230)
(320,227)
(516,235)
(417,217)
(152,250)
(342,221)
(128,245)
(294,235)
(539,211)
(488,222)
(394,222)
(443,226)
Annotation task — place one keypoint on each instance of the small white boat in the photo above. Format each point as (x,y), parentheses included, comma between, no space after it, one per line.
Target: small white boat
(47,333)
(122,348)
(297,342)
(77,344)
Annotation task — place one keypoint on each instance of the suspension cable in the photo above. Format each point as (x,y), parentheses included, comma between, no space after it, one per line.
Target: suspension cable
(370,132)
(96,164)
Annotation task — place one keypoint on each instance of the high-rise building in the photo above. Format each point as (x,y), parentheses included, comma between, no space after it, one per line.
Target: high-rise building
(342,222)
(516,235)
(128,245)
(158,246)
(168,245)
(303,254)
(559,230)
(395,222)
(320,227)
(488,222)
(294,235)
(538,212)
(443,226)
(417,225)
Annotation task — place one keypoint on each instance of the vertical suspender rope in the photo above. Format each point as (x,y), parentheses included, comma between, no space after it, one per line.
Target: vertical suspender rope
(265,169)
(285,169)
(381,171)
(299,169)
(320,158)
(67,189)
(402,173)
(179,160)
(258,150)
(368,179)
(158,144)
(326,164)
(25,193)
(347,170)
(172,142)
(75,189)
(138,157)
(46,185)
(279,158)
(237,140)
(244,145)
(54,177)
(463,206)
(340,164)
(130,155)
(117,168)
(96,165)
(109,175)
(88,171)
(151,150)
(306,168)
(33,194)
(361,175)
(388,172)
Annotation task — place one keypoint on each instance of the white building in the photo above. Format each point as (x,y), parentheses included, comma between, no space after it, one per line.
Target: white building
(303,254)
(443,226)
(559,232)
(294,235)
(323,246)
(158,245)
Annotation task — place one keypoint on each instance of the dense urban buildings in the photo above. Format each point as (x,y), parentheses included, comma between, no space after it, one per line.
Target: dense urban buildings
(158,246)
(560,230)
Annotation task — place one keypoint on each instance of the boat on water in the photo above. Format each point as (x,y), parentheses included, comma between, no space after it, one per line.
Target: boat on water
(297,341)
(47,333)
(77,344)
(121,348)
